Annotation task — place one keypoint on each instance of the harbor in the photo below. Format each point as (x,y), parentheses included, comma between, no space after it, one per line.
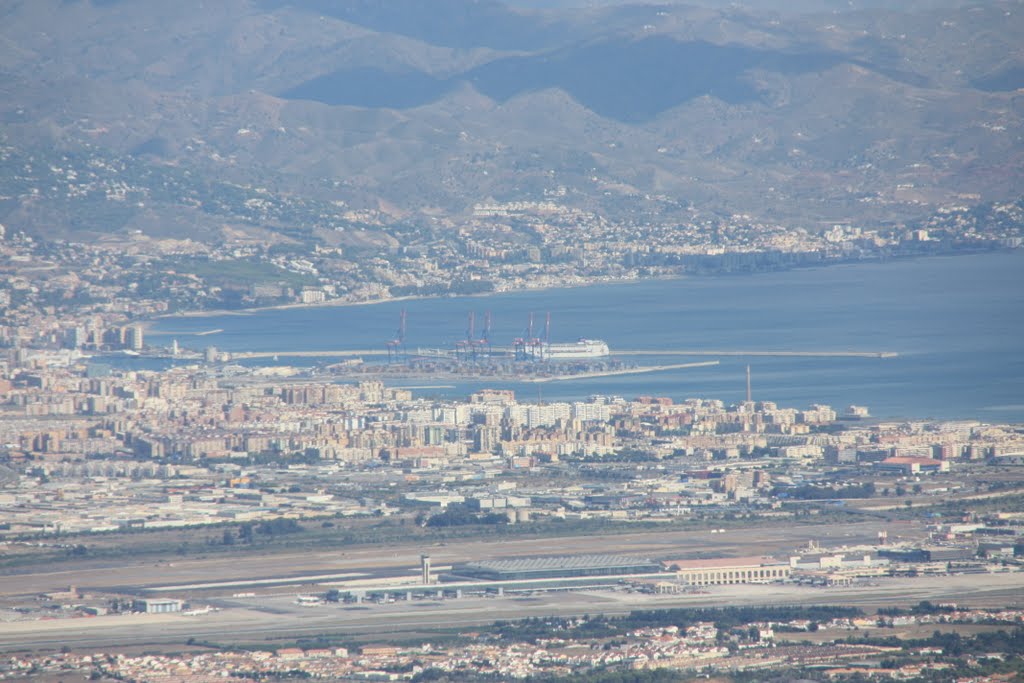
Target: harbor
(876,348)
(629,371)
(531,359)
(356,353)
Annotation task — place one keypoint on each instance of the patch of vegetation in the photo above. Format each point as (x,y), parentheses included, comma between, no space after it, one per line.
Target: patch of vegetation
(236,273)
(532,630)
(461,515)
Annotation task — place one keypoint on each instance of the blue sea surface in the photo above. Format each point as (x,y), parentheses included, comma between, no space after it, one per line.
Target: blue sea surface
(957,324)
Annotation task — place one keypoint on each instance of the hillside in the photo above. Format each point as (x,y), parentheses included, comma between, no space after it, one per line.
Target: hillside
(283,119)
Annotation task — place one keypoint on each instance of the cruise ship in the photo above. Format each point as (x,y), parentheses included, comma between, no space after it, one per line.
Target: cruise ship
(584,348)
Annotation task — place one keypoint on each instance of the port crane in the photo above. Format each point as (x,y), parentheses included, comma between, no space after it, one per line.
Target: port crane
(396,347)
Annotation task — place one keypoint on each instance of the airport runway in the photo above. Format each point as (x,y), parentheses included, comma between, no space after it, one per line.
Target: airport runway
(237,568)
(277,620)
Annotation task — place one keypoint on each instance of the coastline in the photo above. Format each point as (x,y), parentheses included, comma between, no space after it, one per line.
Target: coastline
(340,303)
(580,283)
(616,373)
(883,338)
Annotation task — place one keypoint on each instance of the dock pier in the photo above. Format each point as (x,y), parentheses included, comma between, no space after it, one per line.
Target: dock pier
(351,353)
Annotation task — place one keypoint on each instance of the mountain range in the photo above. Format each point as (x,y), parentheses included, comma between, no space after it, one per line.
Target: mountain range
(126,114)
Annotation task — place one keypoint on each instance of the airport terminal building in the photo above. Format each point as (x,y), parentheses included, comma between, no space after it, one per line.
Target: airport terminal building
(558,567)
(727,571)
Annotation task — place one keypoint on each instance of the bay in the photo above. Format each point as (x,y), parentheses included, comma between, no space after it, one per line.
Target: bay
(956,323)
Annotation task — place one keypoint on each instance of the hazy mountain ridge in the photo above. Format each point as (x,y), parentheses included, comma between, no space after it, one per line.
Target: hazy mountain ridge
(863,116)
(622,80)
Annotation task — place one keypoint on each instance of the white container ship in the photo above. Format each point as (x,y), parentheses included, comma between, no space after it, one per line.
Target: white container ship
(584,348)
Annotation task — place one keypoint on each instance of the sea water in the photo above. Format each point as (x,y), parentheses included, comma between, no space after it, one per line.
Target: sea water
(956,323)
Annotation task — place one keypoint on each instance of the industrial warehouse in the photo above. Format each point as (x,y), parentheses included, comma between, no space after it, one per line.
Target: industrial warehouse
(559,567)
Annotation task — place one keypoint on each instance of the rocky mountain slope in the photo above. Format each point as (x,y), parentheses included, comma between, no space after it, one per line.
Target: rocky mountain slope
(194,118)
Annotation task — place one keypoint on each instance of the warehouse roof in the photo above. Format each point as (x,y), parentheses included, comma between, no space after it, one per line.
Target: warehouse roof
(559,562)
(725,563)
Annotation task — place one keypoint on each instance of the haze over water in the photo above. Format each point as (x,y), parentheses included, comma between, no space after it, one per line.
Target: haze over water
(957,324)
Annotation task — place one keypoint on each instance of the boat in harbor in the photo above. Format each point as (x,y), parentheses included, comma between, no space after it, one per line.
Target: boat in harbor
(580,349)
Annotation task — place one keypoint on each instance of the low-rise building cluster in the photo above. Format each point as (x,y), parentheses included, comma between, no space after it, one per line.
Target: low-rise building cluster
(701,647)
(198,445)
